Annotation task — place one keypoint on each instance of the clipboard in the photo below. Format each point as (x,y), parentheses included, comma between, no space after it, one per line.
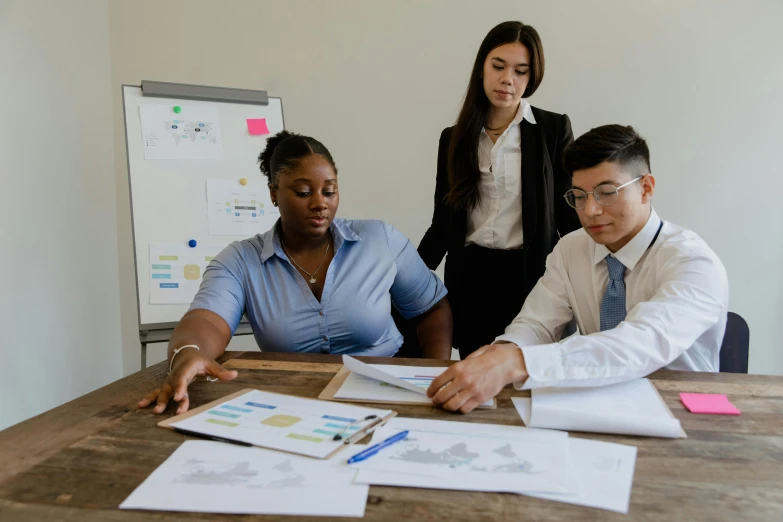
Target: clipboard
(336,446)
(327,394)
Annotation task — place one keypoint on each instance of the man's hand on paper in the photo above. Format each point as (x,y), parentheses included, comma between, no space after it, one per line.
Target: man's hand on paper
(187,366)
(481,376)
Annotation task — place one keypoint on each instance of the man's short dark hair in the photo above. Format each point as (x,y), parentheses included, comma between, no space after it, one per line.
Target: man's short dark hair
(613,143)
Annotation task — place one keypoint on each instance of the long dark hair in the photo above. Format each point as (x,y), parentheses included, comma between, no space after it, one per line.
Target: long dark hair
(463,163)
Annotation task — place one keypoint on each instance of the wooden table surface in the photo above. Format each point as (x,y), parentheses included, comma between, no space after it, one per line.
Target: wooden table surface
(81,460)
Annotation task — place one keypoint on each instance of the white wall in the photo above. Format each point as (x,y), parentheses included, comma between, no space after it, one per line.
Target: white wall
(377,81)
(59,303)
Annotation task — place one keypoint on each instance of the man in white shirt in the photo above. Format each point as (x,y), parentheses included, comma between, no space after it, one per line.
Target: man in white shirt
(645,294)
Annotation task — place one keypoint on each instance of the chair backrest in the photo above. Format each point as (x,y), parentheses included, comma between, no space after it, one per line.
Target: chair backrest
(735,346)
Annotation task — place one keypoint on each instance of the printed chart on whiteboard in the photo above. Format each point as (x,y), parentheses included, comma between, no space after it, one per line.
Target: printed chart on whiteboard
(191,132)
(176,271)
(239,210)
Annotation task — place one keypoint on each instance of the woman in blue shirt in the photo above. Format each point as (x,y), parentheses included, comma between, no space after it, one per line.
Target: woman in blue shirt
(313,283)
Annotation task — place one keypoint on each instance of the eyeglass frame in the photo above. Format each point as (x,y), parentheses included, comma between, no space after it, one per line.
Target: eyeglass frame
(587,194)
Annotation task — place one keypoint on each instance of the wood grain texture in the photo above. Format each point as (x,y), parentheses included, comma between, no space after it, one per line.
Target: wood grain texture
(79,461)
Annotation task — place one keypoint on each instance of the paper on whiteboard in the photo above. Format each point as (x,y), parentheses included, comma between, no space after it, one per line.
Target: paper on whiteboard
(176,271)
(193,133)
(629,408)
(239,210)
(213,477)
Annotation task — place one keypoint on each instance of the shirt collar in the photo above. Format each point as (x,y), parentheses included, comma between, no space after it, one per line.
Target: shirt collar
(340,230)
(632,252)
(525,112)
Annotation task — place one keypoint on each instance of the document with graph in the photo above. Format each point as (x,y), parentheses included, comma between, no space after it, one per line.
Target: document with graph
(211,477)
(281,422)
(384,383)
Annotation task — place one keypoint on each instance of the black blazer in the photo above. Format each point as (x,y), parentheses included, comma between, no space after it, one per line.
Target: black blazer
(544,210)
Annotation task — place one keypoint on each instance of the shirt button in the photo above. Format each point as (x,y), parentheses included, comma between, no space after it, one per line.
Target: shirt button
(321,312)
(326,338)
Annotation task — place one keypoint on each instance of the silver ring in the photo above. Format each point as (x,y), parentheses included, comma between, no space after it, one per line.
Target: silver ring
(210,379)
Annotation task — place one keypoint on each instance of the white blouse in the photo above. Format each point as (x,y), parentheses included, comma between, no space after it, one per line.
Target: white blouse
(497,221)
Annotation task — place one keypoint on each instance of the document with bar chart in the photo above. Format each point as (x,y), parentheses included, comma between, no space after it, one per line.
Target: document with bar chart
(281,422)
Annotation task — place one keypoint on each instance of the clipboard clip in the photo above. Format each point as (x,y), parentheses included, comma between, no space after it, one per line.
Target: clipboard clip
(345,428)
(359,435)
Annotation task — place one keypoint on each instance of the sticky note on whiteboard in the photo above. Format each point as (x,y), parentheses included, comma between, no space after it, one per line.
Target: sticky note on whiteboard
(257,126)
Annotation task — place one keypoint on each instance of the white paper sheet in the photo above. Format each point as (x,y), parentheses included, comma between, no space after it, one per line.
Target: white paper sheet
(369,370)
(239,210)
(359,385)
(281,422)
(528,462)
(193,133)
(601,473)
(213,477)
(176,271)
(629,408)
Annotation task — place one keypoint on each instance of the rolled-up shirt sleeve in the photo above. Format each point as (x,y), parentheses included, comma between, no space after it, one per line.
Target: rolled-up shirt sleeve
(221,290)
(416,288)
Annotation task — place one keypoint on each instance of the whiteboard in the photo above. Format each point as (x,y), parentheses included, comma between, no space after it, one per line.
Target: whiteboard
(169,196)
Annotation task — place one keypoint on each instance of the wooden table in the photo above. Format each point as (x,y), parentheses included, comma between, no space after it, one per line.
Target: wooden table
(79,461)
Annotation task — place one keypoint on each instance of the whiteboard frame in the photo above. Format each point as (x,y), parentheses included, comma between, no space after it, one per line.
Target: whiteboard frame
(161,332)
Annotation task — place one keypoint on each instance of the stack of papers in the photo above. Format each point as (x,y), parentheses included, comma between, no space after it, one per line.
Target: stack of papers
(216,477)
(482,457)
(628,408)
(385,383)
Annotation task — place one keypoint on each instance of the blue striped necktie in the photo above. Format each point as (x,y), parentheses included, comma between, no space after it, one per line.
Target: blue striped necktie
(613,302)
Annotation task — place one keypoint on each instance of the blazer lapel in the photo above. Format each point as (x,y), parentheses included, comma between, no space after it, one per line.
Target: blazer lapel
(532,168)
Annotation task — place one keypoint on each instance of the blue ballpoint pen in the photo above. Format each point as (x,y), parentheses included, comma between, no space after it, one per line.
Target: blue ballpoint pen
(372,450)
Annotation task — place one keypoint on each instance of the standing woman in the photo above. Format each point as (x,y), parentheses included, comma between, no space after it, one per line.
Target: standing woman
(499,207)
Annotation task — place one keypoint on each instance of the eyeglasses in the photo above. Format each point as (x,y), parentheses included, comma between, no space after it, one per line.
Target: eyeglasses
(604,195)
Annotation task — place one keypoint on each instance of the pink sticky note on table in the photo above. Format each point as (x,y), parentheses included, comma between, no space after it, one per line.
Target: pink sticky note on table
(257,126)
(713,403)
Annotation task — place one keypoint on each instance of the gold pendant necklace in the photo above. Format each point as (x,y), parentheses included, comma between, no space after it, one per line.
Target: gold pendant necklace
(312,279)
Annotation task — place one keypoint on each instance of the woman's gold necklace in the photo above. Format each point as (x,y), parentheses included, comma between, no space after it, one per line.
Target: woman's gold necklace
(312,276)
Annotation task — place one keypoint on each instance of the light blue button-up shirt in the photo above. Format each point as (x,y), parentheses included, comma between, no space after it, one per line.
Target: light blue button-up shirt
(374,265)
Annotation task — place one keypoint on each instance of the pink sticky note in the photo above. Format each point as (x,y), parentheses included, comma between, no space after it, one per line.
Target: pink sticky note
(714,403)
(257,126)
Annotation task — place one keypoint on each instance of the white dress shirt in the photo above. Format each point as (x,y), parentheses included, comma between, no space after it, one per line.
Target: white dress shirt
(496,222)
(677,296)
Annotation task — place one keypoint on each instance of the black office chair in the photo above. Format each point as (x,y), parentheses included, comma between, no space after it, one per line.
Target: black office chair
(735,346)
